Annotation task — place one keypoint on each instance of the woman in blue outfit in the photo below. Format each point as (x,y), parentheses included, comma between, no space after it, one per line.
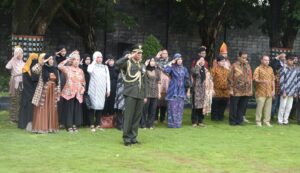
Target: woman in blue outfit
(177,91)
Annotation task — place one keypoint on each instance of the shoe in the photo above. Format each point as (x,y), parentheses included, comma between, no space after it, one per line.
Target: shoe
(127,144)
(151,128)
(268,124)
(135,142)
(70,130)
(201,125)
(194,125)
(99,128)
(258,124)
(245,120)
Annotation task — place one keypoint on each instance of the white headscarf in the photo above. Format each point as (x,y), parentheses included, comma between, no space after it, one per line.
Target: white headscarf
(17,52)
(96,54)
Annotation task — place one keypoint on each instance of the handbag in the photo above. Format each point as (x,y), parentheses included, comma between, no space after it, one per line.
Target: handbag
(87,100)
(108,121)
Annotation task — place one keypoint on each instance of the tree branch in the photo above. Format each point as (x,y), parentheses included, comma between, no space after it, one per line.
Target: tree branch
(44,15)
(69,19)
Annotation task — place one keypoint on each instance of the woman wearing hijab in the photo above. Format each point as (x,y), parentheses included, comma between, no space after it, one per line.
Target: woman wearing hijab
(85,109)
(119,103)
(46,96)
(176,93)
(72,93)
(153,94)
(99,88)
(30,81)
(201,101)
(15,66)
(61,56)
(113,74)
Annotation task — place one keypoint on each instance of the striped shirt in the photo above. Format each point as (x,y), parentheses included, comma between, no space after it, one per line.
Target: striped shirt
(288,81)
(298,74)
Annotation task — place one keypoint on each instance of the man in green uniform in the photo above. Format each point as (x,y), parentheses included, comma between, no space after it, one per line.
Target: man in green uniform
(134,93)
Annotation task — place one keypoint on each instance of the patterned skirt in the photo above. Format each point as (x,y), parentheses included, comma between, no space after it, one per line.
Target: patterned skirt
(175,112)
(45,117)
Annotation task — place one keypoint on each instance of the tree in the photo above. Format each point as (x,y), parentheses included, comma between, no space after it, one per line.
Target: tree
(208,17)
(33,17)
(151,46)
(282,21)
(88,15)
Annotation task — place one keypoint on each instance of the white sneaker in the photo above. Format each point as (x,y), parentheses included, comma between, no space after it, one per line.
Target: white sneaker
(258,124)
(245,120)
(268,124)
(100,128)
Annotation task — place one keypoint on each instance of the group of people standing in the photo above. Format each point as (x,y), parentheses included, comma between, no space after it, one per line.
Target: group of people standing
(67,91)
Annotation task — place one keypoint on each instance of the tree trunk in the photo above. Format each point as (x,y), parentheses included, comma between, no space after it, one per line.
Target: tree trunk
(275,16)
(209,30)
(21,17)
(89,36)
(44,15)
(291,31)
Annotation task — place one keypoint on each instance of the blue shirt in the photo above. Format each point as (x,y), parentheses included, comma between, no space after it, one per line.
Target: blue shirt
(178,75)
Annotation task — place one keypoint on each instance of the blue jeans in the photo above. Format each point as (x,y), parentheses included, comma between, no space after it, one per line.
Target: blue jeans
(275,105)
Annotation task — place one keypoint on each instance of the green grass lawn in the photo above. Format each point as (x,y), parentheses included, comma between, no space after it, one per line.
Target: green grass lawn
(217,147)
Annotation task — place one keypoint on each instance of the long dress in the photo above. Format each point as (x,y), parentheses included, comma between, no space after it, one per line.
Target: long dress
(110,101)
(15,66)
(26,107)
(119,102)
(62,78)
(99,85)
(176,94)
(45,117)
(85,109)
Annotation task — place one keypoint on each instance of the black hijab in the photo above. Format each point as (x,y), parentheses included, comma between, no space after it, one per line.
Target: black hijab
(47,69)
(59,58)
(149,67)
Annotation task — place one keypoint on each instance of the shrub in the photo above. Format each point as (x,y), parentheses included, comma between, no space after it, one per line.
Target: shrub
(151,47)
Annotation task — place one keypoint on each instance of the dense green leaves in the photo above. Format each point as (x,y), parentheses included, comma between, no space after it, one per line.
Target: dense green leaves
(151,47)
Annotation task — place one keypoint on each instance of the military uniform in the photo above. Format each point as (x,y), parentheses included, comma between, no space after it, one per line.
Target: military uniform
(134,94)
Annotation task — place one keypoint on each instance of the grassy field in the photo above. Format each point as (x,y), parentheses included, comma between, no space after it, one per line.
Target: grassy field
(217,147)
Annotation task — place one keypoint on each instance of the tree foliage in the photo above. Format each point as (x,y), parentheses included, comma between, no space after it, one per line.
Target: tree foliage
(210,16)
(151,46)
(282,21)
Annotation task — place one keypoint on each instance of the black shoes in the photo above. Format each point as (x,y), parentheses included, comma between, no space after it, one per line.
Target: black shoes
(128,144)
(135,142)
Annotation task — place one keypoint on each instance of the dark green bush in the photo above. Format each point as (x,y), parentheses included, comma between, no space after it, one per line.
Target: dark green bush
(151,47)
